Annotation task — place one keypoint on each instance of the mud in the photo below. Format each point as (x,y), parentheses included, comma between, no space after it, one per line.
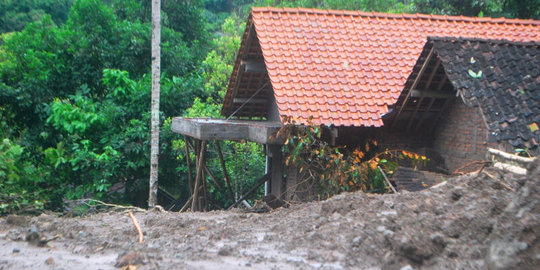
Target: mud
(489,220)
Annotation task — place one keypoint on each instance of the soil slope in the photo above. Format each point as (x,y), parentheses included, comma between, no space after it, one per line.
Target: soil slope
(489,220)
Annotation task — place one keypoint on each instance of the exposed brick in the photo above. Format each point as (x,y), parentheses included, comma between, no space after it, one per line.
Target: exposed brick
(460,136)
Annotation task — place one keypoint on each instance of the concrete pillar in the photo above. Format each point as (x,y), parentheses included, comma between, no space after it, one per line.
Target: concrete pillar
(276,169)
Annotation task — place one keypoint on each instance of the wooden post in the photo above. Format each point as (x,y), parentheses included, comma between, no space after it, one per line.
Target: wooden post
(225,172)
(188,160)
(204,189)
(261,181)
(386,179)
(195,202)
(276,170)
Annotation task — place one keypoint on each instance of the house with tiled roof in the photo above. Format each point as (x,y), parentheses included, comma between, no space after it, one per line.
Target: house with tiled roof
(495,85)
(386,76)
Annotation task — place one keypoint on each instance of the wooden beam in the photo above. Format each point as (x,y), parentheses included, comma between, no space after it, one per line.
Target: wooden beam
(431,94)
(512,157)
(510,168)
(208,171)
(413,86)
(386,179)
(261,181)
(253,100)
(247,47)
(427,86)
(433,73)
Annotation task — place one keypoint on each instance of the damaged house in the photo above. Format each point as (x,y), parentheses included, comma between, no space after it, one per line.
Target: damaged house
(448,86)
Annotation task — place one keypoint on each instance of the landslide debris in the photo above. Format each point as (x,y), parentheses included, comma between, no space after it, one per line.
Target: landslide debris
(487,220)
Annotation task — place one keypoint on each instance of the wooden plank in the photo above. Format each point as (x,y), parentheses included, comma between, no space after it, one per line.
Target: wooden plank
(512,157)
(510,168)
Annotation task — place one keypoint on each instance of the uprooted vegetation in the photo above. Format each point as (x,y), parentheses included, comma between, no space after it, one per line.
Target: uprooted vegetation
(476,221)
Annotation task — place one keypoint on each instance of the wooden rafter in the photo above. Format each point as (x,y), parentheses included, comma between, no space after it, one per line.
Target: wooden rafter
(413,86)
(427,86)
(240,71)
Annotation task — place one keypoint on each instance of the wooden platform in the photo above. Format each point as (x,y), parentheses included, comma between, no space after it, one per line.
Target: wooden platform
(219,129)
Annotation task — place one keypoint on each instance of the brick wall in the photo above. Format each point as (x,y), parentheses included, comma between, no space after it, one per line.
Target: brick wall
(461,136)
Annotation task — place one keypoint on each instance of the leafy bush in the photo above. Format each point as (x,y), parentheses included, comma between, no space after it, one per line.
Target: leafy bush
(19,180)
(333,169)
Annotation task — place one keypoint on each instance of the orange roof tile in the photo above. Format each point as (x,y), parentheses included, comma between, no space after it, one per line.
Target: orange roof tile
(352,65)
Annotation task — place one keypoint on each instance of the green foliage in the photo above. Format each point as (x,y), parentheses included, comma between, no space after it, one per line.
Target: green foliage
(16,14)
(19,180)
(76,97)
(491,8)
(392,6)
(333,169)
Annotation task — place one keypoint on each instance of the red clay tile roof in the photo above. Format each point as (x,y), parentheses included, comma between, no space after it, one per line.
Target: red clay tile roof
(344,68)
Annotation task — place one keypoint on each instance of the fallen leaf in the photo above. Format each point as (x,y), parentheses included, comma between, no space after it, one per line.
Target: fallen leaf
(475,74)
(533,127)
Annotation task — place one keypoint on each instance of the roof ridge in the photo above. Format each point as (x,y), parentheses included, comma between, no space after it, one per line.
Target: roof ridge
(396,15)
(483,40)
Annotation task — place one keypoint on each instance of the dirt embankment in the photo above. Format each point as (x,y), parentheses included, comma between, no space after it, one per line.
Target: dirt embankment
(485,221)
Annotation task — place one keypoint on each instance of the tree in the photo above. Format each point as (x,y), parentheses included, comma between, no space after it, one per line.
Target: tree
(154,141)
(16,14)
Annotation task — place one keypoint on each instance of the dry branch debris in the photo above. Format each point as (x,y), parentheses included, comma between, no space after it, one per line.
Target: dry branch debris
(137,227)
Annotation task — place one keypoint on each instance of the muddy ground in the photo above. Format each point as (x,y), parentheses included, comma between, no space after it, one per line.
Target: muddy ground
(488,220)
